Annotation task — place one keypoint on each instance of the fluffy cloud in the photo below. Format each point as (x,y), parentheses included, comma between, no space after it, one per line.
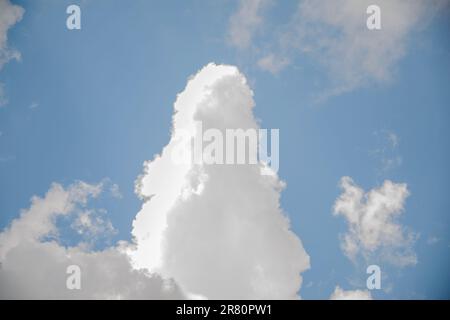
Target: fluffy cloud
(372,221)
(340,294)
(334,34)
(34,264)
(217,229)
(9,15)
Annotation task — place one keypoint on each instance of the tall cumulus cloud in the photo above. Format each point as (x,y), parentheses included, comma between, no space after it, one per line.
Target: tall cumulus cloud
(217,229)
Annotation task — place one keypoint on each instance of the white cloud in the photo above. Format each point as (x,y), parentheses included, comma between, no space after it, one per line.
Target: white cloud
(34,267)
(334,34)
(217,229)
(272,63)
(9,15)
(38,221)
(340,294)
(372,221)
(246,22)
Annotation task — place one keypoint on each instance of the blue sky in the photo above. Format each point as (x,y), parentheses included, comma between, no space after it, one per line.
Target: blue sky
(95,103)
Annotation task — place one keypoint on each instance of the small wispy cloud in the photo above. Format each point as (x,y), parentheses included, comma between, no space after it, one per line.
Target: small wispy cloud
(115,191)
(340,294)
(273,63)
(33,105)
(393,139)
(386,151)
(3,99)
(10,14)
(432,240)
(246,22)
